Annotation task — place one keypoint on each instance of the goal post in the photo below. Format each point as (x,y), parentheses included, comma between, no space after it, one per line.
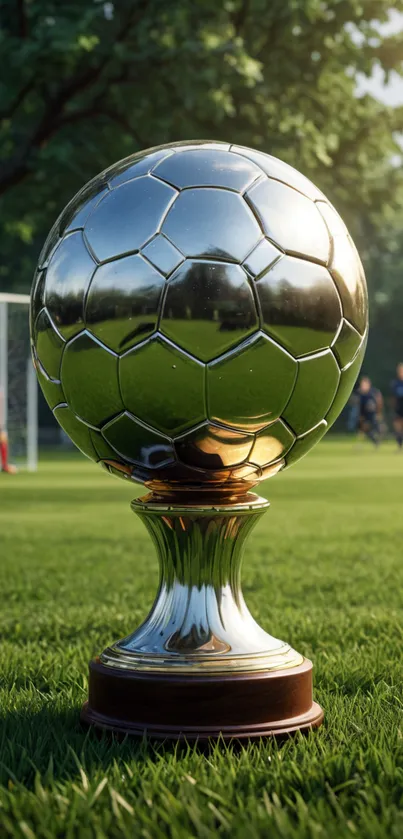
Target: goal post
(18,383)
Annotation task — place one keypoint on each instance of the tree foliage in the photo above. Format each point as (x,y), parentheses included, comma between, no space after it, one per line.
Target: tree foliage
(85,83)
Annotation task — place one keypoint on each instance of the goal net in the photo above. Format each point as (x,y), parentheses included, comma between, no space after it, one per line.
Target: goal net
(18,384)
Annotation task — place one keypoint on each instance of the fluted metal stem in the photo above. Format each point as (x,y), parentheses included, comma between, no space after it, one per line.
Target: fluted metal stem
(199,619)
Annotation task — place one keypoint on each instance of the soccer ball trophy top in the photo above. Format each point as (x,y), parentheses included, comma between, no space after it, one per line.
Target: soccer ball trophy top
(199,318)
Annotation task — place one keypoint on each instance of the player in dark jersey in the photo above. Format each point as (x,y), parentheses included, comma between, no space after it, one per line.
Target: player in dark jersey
(5,466)
(397,396)
(353,419)
(371,408)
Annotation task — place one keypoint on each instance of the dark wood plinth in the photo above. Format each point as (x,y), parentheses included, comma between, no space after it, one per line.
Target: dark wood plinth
(199,707)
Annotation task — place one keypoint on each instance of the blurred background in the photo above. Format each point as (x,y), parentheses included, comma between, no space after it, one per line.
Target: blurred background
(315,83)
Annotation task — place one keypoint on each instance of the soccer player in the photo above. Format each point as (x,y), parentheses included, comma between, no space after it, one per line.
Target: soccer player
(353,419)
(5,466)
(371,408)
(397,395)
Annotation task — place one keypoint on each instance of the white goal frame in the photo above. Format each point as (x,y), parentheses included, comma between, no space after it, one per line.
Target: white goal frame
(31,382)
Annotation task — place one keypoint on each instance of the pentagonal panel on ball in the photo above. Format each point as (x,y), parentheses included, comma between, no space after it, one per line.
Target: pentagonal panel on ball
(208,308)
(317,381)
(346,269)
(213,447)
(163,386)
(290,219)
(271,443)
(212,223)
(48,344)
(348,379)
(300,305)
(347,344)
(333,221)
(37,298)
(127,217)
(90,379)
(348,274)
(103,449)
(78,432)
(144,162)
(79,209)
(51,241)
(136,442)
(272,469)
(120,470)
(67,280)
(163,254)
(207,167)
(136,165)
(248,387)
(123,302)
(263,256)
(306,442)
(280,171)
(51,388)
(248,473)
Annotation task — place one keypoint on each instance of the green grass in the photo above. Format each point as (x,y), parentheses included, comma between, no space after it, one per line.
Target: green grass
(323,570)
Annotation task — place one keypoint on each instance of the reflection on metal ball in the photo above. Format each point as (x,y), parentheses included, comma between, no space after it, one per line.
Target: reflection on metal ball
(199,317)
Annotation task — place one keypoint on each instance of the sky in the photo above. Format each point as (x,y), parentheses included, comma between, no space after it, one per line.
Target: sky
(392,93)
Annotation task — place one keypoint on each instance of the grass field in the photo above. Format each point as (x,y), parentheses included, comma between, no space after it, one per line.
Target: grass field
(324,571)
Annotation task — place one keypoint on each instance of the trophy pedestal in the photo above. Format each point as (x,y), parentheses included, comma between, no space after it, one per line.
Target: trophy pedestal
(198,707)
(200,666)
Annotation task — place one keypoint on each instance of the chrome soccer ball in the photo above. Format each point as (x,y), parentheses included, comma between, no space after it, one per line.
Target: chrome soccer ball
(199,316)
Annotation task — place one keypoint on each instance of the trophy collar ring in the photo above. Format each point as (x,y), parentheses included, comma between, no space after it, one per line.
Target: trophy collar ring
(198,320)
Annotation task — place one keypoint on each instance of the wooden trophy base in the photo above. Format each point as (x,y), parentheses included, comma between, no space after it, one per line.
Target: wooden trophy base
(199,707)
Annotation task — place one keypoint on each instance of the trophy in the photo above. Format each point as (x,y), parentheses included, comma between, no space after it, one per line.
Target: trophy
(198,320)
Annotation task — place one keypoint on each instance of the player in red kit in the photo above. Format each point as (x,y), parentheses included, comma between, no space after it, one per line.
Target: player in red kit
(5,466)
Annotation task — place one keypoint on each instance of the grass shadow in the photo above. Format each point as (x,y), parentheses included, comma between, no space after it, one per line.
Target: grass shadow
(54,745)
(55,741)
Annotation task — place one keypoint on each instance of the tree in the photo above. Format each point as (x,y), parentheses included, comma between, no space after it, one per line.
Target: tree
(89,82)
